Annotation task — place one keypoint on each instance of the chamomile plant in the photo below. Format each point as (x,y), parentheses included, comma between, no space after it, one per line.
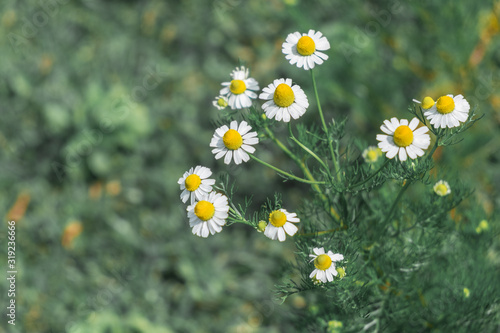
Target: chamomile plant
(364,227)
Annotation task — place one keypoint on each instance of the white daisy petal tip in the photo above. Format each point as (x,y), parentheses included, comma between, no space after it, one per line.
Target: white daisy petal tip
(303,50)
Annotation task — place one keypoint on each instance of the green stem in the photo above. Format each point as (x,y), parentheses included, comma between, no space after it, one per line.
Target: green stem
(394,204)
(331,211)
(436,144)
(238,218)
(325,128)
(372,175)
(280,144)
(310,152)
(301,164)
(289,175)
(318,233)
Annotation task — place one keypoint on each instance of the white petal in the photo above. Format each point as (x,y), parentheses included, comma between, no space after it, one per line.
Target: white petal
(286,116)
(237,156)
(271,232)
(185,196)
(420,131)
(402,154)
(411,152)
(204,230)
(390,126)
(391,153)
(414,123)
(281,235)
(321,275)
(227,158)
(329,275)
(386,130)
(290,228)
(336,257)
(395,122)
(247,148)
(460,116)
(319,250)
(220,153)
(382,137)
(300,62)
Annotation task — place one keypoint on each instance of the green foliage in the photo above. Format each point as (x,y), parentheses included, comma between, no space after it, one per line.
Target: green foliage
(106,103)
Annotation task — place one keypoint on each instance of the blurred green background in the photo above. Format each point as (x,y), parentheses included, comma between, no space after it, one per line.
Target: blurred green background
(104,104)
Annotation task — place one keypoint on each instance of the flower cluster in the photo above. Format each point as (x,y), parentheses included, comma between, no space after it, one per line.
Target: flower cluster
(405,139)
(210,207)
(208,210)
(283,100)
(447,111)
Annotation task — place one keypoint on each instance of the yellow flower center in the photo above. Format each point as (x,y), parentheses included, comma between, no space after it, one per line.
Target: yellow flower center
(237,87)
(427,103)
(441,189)
(192,182)
(323,262)
(466,292)
(306,46)
(232,139)
(283,95)
(403,136)
(222,102)
(372,155)
(277,218)
(341,271)
(204,210)
(445,104)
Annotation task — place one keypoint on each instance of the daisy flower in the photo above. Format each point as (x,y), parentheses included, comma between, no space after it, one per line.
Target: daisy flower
(234,142)
(195,183)
(371,154)
(208,215)
(427,103)
(280,221)
(403,138)
(304,50)
(240,90)
(448,111)
(325,264)
(442,188)
(220,102)
(284,100)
